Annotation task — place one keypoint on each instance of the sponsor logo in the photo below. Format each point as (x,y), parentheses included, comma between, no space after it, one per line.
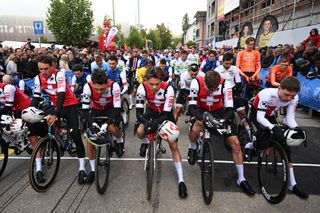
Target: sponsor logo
(264,104)
(229,92)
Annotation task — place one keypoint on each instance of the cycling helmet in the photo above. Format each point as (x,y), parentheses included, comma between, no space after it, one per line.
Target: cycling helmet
(32,115)
(194,67)
(94,136)
(169,131)
(211,123)
(295,137)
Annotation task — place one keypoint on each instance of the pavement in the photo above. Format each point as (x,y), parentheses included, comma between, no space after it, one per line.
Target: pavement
(127,182)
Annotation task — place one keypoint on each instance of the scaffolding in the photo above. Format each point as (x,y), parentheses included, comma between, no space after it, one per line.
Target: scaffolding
(291,14)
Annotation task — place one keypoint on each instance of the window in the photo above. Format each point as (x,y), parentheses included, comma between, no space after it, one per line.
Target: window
(209,14)
(197,33)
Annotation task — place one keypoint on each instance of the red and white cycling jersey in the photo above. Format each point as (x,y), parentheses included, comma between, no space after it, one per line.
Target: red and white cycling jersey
(160,101)
(111,98)
(201,97)
(11,96)
(267,102)
(53,85)
(185,79)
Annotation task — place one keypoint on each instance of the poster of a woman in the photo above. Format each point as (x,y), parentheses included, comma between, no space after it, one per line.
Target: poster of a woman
(245,33)
(268,27)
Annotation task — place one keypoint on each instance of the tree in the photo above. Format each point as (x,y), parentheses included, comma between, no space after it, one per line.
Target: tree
(185,26)
(165,35)
(70,21)
(154,36)
(135,38)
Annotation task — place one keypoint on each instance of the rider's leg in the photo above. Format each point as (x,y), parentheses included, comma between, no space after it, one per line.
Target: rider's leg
(194,135)
(144,141)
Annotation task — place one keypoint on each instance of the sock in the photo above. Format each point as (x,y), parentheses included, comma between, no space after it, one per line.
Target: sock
(240,173)
(82,164)
(119,140)
(292,180)
(144,140)
(179,170)
(192,145)
(38,164)
(92,165)
(249,145)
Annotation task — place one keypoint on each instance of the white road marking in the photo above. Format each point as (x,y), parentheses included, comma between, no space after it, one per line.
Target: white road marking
(169,159)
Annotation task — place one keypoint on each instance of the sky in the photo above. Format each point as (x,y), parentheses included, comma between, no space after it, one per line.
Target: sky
(152,12)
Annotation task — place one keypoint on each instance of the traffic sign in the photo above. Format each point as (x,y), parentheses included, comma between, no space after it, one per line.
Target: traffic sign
(38,27)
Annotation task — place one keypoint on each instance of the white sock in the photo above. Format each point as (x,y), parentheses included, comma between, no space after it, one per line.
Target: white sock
(38,164)
(292,180)
(119,140)
(179,171)
(240,173)
(192,145)
(82,164)
(249,145)
(144,140)
(92,165)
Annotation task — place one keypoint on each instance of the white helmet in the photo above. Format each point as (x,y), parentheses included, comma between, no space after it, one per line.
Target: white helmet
(295,137)
(32,115)
(168,131)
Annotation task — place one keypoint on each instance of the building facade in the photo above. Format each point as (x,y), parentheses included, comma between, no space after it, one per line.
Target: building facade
(190,34)
(201,35)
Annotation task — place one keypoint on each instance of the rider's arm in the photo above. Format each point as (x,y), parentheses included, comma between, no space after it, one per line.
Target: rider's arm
(123,77)
(116,94)
(36,92)
(262,109)
(202,65)
(140,101)
(73,83)
(290,119)
(273,71)
(88,78)
(22,85)
(258,64)
(170,74)
(228,102)
(193,109)
(8,92)
(238,63)
(61,86)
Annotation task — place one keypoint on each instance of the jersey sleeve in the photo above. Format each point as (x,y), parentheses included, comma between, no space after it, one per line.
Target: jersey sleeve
(170,74)
(236,72)
(183,80)
(73,83)
(88,78)
(37,87)
(9,91)
(290,119)
(86,97)
(194,90)
(227,94)
(202,65)
(141,97)
(262,109)
(116,93)
(123,77)
(22,85)
(169,99)
(61,82)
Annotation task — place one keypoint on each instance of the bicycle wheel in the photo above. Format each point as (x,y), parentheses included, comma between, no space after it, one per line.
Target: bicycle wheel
(273,173)
(102,168)
(3,156)
(150,168)
(48,152)
(207,171)
(126,113)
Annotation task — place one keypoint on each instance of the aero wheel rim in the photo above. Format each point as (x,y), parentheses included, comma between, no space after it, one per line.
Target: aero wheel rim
(273,172)
(102,168)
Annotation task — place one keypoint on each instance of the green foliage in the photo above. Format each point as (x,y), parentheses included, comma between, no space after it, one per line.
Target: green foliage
(191,43)
(174,43)
(165,35)
(154,36)
(135,38)
(70,21)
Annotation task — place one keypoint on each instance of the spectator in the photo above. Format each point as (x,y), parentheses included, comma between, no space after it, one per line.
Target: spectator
(85,64)
(279,72)
(11,67)
(99,63)
(277,56)
(268,60)
(63,63)
(32,66)
(314,36)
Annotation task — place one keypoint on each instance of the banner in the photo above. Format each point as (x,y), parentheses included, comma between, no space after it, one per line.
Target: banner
(230,5)
(220,13)
(309,94)
(111,35)
(246,32)
(268,27)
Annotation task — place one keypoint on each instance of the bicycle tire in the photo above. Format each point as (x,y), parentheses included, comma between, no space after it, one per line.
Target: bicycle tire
(3,156)
(102,168)
(279,189)
(125,107)
(48,146)
(207,171)
(150,168)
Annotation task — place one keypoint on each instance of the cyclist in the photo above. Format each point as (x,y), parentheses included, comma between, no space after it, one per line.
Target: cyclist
(142,71)
(159,96)
(104,97)
(167,71)
(214,94)
(79,79)
(193,57)
(142,60)
(278,73)
(99,63)
(185,82)
(181,66)
(117,75)
(264,106)
(132,67)
(248,61)
(64,104)
(211,62)
(16,82)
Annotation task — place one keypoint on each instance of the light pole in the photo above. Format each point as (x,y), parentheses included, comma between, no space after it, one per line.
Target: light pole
(139,15)
(113,15)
